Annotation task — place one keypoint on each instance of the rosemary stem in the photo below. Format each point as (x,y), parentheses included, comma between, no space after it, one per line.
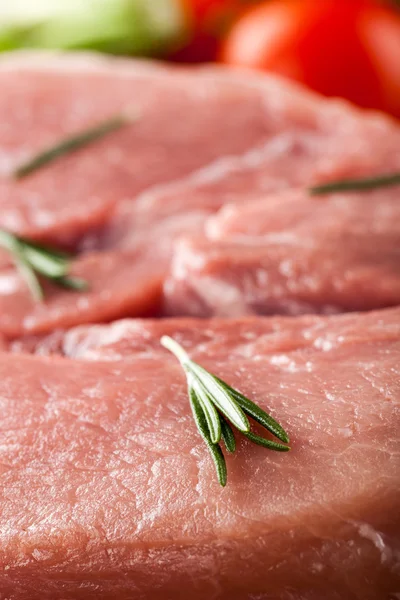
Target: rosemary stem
(354,185)
(175,348)
(71,144)
(28,274)
(8,241)
(33,261)
(217,407)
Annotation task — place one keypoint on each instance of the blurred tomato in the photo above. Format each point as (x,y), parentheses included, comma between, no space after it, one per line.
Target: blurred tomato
(207,10)
(348,48)
(202,47)
(207,21)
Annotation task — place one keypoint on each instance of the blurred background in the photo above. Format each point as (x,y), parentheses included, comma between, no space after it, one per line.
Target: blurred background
(348,48)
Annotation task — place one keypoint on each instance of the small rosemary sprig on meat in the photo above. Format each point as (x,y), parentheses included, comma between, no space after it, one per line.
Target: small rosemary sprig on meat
(216,406)
(33,261)
(71,144)
(356,185)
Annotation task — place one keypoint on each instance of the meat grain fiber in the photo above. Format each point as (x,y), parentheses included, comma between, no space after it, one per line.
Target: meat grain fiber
(108,492)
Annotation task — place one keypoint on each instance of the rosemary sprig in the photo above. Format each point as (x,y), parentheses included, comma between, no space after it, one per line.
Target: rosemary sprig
(216,406)
(356,185)
(71,144)
(33,260)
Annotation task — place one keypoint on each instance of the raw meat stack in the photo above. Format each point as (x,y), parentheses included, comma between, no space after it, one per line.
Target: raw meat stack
(198,208)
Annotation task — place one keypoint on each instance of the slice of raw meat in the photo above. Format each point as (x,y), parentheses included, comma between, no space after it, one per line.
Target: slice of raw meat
(360,213)
(139,338)
(110,294)
(184,121)
(123,281)
(187,119)
(108,492)
(332,142)
(292,254)
(230,133)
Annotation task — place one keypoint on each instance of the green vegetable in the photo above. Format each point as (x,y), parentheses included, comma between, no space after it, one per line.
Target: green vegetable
(356,185)
(33,260)
(139,27)
(216,406)
(71,144)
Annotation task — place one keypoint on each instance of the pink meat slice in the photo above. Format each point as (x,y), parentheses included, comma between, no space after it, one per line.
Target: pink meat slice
(328,141)
(374,212)
(248,132)
(123,281)
(108,492)
(46,98)
(292,254)
(109,295)
(139,338)
(241,134)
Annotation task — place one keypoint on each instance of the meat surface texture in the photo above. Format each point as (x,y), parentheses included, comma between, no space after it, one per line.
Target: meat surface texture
(46,99)
(198,139)
(108,492)
(198,207)
(292,253)
(124,274)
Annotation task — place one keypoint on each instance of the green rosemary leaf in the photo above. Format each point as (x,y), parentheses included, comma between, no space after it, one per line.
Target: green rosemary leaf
(210,385)
(220,464)
(9,242)
(45,262)
(215,450)
(40,248)
(208,393)
(227,435)
(355,185)
(71,283)
(211,415)
(29,275)
(14,246)
(71,144)
(221,397)
(261,441)
(32,260)
(258,414)
(53,265)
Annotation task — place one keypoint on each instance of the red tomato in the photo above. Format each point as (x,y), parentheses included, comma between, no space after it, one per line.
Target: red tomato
(205,10)
(201,48)
(207,21)
(202,18)
(348,48)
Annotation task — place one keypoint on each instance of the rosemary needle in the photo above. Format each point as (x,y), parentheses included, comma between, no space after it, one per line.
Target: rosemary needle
(220,396)
(217,407)
(261,441)
(29,275)
(227,435)
(33,261)
(354,185)
(71,144)
(71,283)
(210,412)
(257,414)
(215,450)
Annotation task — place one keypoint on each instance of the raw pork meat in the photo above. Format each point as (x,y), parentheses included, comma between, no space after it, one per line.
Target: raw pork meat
(292,254)
(125,276)
(108,492)
(202,138)
(45,99)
